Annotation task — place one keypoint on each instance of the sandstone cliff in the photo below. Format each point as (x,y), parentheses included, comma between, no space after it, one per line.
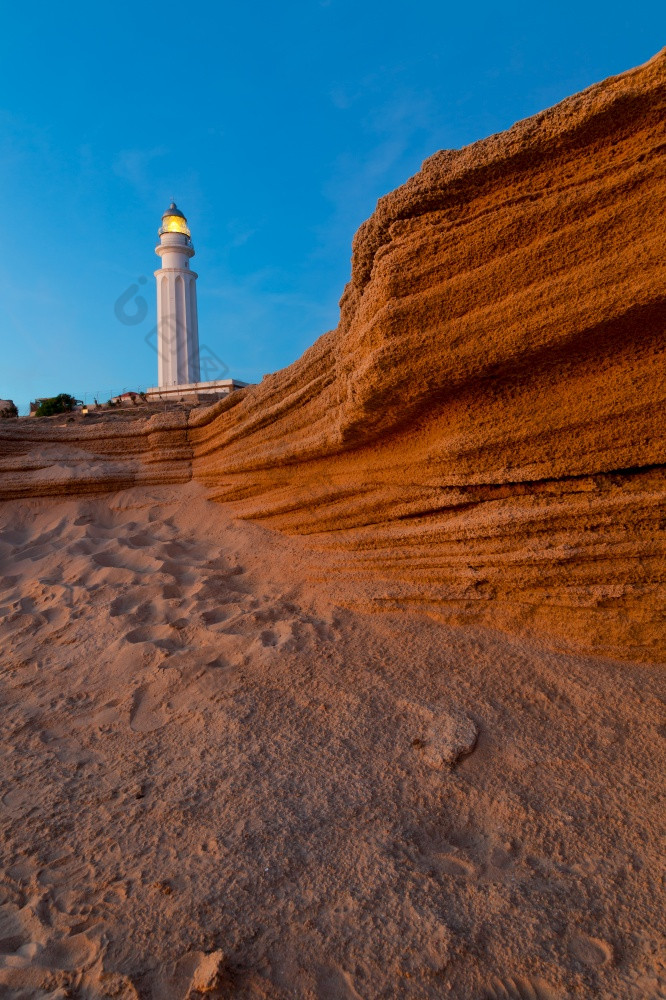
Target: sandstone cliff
(47,458)
(483,434)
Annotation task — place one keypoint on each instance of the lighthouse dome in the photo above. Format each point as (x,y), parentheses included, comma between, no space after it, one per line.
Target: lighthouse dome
(173,221)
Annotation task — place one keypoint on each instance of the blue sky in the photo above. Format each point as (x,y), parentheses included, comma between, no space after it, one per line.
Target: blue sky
(276,127)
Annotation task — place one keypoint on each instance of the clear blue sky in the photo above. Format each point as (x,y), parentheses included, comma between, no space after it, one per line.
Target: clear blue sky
(275,125)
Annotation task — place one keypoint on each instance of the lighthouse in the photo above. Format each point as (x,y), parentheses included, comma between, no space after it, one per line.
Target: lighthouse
(180,364)
(177,326)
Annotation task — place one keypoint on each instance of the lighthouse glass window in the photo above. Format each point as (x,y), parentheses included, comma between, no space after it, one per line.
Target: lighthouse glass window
(175,224)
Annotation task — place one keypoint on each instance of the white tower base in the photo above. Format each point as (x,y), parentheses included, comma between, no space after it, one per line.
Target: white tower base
(200,392)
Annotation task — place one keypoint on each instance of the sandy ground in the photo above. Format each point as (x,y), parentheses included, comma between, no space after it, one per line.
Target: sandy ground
(215,778)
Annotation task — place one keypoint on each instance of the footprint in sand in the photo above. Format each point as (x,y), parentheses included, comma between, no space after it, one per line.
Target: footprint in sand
(520,988)
(132,560)
(28,941)
(454,865)
(591,951)
(82,547)
(19,623)
(219,616)
(18,927)
(162,636)
(218,587)
(20,799)
(180,572)
(502,858)
(65,871)
(278,612)
(148,712)
(335,984)
(281,636)
(123,605)
(450,853)
(139,541)
(324,630)
(268,638)
(76,952)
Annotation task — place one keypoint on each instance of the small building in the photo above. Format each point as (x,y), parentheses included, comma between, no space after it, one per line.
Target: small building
(127,399)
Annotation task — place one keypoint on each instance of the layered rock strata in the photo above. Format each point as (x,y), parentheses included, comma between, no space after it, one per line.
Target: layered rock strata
(44,458)
(483,434)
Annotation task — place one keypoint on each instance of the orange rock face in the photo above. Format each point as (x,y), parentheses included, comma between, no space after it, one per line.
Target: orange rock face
(484,432)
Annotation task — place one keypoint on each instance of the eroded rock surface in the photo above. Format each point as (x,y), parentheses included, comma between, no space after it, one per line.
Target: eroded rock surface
(483,434)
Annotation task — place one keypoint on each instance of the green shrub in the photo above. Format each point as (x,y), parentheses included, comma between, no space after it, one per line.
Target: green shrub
(56,404)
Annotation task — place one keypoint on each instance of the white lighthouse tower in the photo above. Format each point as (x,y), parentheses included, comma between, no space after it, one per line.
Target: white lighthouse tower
(179,364)
(177,326)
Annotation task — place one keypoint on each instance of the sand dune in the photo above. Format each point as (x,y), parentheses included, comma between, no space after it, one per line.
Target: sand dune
(204,754)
